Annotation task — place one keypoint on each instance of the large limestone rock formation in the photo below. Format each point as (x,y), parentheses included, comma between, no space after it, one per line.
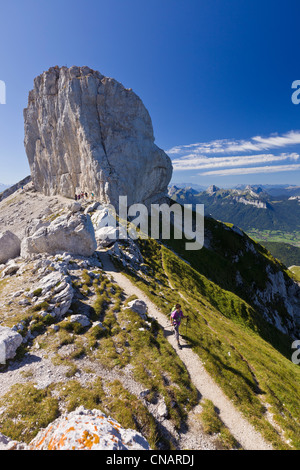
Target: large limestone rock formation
(85,131)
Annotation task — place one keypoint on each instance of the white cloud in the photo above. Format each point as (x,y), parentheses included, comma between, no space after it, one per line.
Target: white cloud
(192,162)
(254,144)
(252,170)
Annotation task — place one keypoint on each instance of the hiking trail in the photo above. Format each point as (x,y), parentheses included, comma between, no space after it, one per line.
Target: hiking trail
(240,428)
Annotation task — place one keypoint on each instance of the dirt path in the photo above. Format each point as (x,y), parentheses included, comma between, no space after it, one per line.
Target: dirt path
(239,427)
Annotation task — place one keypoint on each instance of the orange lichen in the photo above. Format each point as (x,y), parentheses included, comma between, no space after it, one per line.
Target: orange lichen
(39,443)
(114,424)
(88,439)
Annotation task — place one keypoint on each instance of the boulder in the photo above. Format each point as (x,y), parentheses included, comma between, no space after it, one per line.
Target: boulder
(96,136)
(85,429)
(105,236)
(10,269)
(10,340)
(72,233)
(74,207)
(9,246)
(104,216)
(92,207)
(138,306)
(107,228)
(81,319)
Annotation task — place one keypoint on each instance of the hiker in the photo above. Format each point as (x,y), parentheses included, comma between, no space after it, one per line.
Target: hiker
(176,316)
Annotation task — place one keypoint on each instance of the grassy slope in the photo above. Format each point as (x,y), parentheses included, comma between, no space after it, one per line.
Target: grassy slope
(280,215)
(296,271)
(219,265)
(286,253)
(246,356)
(279,236)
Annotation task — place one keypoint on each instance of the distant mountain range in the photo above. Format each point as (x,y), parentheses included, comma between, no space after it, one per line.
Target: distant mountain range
(195,186)
(3,187)
(273,190)
(249,207)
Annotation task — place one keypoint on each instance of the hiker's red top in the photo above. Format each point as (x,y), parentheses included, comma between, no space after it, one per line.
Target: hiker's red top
(176,316)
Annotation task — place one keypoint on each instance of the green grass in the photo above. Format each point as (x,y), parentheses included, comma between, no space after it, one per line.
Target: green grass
(116,402)
(288,254)
(245,355)
(296,272)
(27,409)
(213,425)
(227,258)
(277,236)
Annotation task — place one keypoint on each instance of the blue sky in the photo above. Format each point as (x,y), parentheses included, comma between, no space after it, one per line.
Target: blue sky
(215,75)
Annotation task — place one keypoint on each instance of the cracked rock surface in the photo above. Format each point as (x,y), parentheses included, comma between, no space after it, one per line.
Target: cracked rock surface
(87,132)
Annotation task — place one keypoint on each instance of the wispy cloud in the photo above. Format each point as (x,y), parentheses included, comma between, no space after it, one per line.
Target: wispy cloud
(252,170)
(255,144)
(192,162)
(235,154)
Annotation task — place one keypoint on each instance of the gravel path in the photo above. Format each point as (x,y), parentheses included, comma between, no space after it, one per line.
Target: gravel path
(239,427)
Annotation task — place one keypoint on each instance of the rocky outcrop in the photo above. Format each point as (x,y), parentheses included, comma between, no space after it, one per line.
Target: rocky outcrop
(9,246)
(55,288)
(212,189)
(86,132)
(72,233)
(251,202)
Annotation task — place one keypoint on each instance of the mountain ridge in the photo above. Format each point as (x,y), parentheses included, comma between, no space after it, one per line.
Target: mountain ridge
(220,319)
(245,208)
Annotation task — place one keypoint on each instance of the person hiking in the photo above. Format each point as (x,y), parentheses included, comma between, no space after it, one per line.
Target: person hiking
(176,316)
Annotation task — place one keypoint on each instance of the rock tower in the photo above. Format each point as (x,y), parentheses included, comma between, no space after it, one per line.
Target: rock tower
(87,132)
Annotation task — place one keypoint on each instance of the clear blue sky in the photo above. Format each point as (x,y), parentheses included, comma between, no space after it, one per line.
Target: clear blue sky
(215,75)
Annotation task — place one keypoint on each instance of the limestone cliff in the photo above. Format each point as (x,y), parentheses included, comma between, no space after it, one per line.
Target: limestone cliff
(87,132)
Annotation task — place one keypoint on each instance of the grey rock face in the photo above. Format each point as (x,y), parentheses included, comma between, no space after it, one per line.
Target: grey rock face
(9,246)
(72,233)
(86,132)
